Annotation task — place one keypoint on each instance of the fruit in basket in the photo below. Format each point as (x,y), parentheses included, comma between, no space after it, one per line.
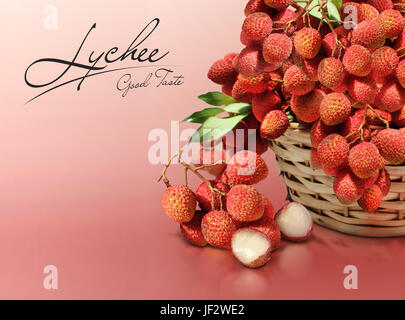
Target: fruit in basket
(331,73)
(348,187)
(297,82)
(295,222)
(251,247)
(384,182)
(307,42)
(391,144)
(277,48)
(245,203)
(357,60)
(306,107)
(364,160)
(371,199)
(333,151)
(274,125)
(335,108)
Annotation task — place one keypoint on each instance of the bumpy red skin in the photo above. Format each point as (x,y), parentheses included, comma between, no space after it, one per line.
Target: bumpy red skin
(400,73)
(179,203)
(270,228)
(315,163)
(350,130)
(390,96)
(391,144)
(307,42)
(218,228)
(274,125)
(364,160)
(399,44)
(372,118)
(306,107)
(320,131)
(371,199)
(331,73)
(245,203)
(384,182)
(240,94)
(277,47)
(385,61)
(357,60)
(399,117)
(297,82)
(348,187)
(265,102)
(204,196)
(391,22)
(245,167)
(192,230)
(381,5)
(222,72)
(282,18)
(268,208)
(335,109)
(329,44)
(260,261)
(362,89)
(254,6)
(278,4)
(333,151)
(367,12)
(254,85)
(294,239)
(368,183)
(250,62)
(368,34)
(257,26)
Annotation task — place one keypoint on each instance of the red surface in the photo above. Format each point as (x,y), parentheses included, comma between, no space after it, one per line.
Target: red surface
(77,189)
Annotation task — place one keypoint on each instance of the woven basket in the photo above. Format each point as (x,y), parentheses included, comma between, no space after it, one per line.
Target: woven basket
(314,189)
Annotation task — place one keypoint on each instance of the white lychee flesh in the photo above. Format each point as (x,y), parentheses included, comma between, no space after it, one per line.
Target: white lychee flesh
(295,222)
(251,247)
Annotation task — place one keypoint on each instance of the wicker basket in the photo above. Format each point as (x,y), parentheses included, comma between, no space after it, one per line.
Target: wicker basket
(313,189)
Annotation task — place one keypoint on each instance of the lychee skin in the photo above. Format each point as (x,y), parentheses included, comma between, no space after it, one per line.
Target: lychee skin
(254,6)
(268,208)
(400,73)
(245,203)
(265,102)
(391,144)
(250,62)
(331,73)
(204,196)
(257,26)
(335,109)
(270,228)
(306,107)
(240,94)
(391,22)
(385,61)
(362,89)
(222,72)
(277,47)
(307,42)
(278,4)
(371,199)
(320,131)
(399,117)
(364,160)
(274,125)
(255,85)
(192,230)
(347,187)
(218,228)
(399,44)
(297,82)
(179,203)
(282,18)
(357,60)
(333,151)
(351,130)
(381,5)
(372,118)
(329,45)
(246,167)
(368,34)
(367,12)
(384,182)
(390,96)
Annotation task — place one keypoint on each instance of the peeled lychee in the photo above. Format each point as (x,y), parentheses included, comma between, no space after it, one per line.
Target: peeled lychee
(251,247)
(295,222)
(179,203)
(245,203)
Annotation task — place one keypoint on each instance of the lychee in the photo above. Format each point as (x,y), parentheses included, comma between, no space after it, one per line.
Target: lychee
(357,60)
(307,42)
(281,19)
(384,182)
(348,187)
(265,102)
(333,151)
(222,72)
(278,4)
(204,195)
(335,108)
(245,203)
(368,34)
(246,167)
(277,48)
(400,73)
(399,117)
(250,62)
(374,117)
(331,73)
(268,207)
(257,26)
(179,203)
(254,6)
(256,84)
(315,162)
(240,94)
(320,131)
(367,12)
(371,199)
(274,125)
(218,228)
(391,22)
(270,228)
(385,61)
(351,130)
(381,5)
(192,230)
(362,89)
(297,82)
(390,96)
(391,144)
(306,107)
(364,160)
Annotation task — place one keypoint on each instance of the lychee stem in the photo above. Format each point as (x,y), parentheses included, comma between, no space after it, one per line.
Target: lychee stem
(387,124)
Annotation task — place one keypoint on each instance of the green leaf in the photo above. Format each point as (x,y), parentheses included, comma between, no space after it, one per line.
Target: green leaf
(333,12)
(314,9)
(217,98)
(338,4)
(215,128)
(203,115)
(239,108)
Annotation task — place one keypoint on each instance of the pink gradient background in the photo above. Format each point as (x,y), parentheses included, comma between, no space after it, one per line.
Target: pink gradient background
(77,189)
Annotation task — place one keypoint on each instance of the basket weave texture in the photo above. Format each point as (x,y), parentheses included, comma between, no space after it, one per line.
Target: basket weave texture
(314,189)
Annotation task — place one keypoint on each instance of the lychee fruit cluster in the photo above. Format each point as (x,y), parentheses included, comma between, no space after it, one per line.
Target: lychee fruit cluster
(344,78)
